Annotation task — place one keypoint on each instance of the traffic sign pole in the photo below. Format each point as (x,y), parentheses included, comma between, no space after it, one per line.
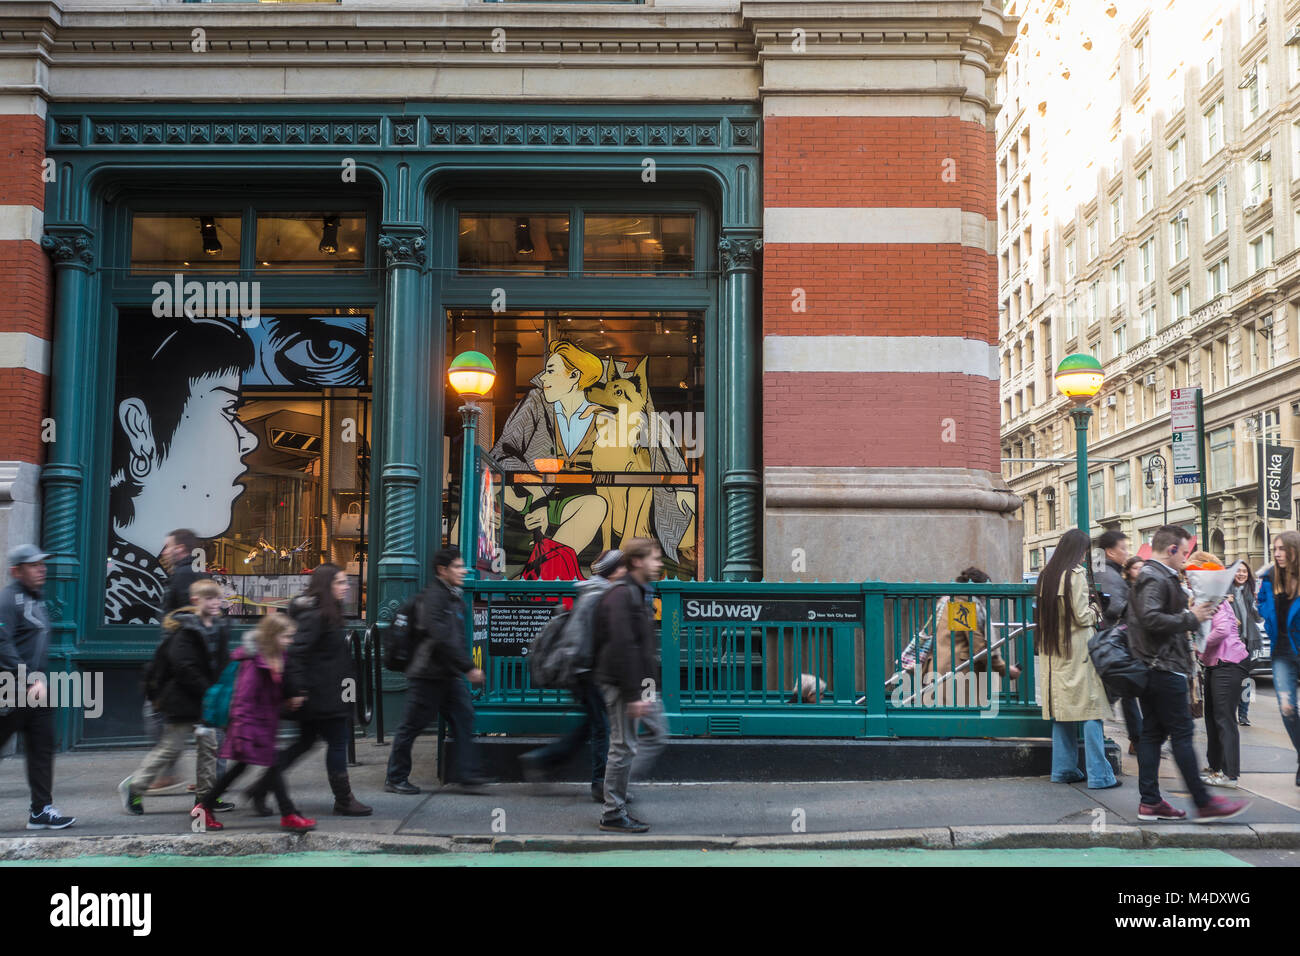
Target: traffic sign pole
(1205,470)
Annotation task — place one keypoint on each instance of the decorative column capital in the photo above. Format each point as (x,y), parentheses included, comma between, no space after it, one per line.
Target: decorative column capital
(70,246)
(402,245)
(738,252)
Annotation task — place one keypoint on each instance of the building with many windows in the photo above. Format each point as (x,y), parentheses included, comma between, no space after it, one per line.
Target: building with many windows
(1149,205)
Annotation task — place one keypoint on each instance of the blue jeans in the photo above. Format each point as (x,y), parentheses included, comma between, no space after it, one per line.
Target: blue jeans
(1065,753)
(1285,676)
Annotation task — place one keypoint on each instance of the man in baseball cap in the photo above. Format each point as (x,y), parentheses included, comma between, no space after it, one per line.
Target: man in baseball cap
(24,649)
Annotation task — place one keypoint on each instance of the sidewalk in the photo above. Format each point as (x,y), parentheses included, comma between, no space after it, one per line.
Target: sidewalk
(1005,812)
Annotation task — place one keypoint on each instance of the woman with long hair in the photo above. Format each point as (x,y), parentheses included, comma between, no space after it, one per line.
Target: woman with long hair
(1072,692)
(1279,607)
(1246,608)
(319,664)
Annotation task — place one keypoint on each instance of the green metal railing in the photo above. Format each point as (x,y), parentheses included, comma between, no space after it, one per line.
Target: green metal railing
(795,660)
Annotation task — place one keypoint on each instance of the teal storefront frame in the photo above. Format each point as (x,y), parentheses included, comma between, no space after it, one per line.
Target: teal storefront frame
(412,163)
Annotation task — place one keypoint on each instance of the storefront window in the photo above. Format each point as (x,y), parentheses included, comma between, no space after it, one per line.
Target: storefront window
(165,242)
(656,245)
(596,423)
(310,240)
(524,244)
(253,434)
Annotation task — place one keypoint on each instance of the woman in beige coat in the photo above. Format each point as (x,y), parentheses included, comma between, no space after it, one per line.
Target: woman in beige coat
(1071,690)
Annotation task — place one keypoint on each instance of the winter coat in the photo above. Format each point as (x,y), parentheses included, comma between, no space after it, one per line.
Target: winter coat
(24,630)
(441,652)
(318,663)
(1281,646)
(1069,685)
(196,655)
(1158,620)
(625,640)
(177,594)
(254,711)
(954,648)
(1113,590)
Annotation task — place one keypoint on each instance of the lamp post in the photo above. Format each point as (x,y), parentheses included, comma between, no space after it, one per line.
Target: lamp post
(1157,463)
(1079,378)
(471,375)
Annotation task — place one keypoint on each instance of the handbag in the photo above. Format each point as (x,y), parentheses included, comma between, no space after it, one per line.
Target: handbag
(1122,674)
(350,520)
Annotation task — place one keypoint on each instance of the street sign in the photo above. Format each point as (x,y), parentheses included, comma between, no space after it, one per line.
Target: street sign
(1187,449)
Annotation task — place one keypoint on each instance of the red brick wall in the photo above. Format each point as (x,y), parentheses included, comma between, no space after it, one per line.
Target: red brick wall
(25,290)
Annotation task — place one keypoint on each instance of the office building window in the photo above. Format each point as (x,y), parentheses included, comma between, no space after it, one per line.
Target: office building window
(1181,301)
(1177,161)
(1119,340)
(1214,129)
(1117,290)
(1221,459)
(1140,63)
(1122,491)
(1144,191)
(1178,238)
(1216,279)
(1071,320)
(1094,301)
(1070,266)
(1147,258)
(1094,247)
(1097,493)
(1261,251)
(1116,217)
(1148,321)
(1215,204)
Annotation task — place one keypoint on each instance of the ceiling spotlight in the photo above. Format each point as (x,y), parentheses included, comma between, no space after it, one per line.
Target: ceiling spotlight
(523,237)
(329,236)
(208,230)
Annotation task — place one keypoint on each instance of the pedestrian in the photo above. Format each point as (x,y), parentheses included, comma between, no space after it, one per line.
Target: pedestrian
(605,570)
(626,643)
(195,652)
(1132,568)
(1224,661)
(1072,692)
(1158,621)
(262,688)
(958,651)
(1113,588)
(439,664)
(25,645)
(1249,625)
(319,667)
(1279,585)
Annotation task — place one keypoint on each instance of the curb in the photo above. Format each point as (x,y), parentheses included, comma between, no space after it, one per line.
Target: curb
(1263,836)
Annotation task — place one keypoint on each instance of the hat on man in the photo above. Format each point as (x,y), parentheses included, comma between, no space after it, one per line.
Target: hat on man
(607,562)
(26,554)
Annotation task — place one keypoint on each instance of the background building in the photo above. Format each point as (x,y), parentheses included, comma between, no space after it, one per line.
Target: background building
(1148,170)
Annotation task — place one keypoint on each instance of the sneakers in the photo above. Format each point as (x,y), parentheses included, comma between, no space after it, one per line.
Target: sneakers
(1218,779)
(474,785)
(624,824)
(401,786)
(209,821)
(1161,811)
(49,819)
(1243,721)
(130,802)
(221,806)
(297,823)
(1221,808)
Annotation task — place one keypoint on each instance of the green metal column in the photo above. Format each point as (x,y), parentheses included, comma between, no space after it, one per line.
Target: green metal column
(404,379)
(1081,414)
(469,413)
(741,487)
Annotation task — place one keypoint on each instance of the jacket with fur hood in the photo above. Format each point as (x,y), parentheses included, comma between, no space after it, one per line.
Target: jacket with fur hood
(196,655)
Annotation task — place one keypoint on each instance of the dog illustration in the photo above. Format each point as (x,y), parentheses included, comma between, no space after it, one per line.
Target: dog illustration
(623,445)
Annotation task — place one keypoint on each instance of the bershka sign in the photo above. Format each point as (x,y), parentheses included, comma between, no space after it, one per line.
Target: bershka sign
(1275,493)
(767,609)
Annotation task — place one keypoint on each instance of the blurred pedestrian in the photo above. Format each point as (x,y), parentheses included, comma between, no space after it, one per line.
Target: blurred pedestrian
(1279,588)
(1132,568)
(1113,588)
(1225,660)
(1249,625)
(957,651)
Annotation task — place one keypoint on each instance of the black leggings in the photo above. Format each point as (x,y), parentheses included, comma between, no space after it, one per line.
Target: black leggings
(272,780)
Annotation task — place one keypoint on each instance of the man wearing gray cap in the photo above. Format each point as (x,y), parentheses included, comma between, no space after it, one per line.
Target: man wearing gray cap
(24,648)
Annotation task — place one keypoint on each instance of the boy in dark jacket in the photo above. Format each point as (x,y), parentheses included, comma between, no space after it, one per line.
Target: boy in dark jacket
(438,662)
(625,645)
(198,639)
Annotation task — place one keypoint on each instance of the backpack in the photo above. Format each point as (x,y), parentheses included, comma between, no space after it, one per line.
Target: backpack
(216,699)
(402,636)
(1122,674)
(545,658)
(159,670)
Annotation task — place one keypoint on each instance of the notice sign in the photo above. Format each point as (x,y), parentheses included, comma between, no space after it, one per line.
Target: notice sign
(511,627)
(1187,450)
(962,615)
(702,610)
(1275,497)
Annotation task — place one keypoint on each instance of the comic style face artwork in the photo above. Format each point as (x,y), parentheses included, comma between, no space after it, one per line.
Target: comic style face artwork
(591,414)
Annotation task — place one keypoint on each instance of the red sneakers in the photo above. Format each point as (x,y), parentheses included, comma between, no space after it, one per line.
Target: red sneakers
(297,823)
(209,822)
(1161,811)
(1221,808)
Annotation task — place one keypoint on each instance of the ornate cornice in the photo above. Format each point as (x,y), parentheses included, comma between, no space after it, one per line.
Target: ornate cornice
(402,245)
(738,252)
(71,246)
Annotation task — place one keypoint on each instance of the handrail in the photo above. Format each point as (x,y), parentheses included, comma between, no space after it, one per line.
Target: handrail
(361,644)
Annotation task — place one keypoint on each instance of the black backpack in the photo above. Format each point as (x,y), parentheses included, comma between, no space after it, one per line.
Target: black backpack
(159,669)
(1122,674)
(403,634)
(545,662)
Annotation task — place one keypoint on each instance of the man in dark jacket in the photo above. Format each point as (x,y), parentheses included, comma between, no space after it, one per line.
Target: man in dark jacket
(1114,597)
(24,650)
(197,648)
(439,661)
(626,642)
(1158,624)
(179,551)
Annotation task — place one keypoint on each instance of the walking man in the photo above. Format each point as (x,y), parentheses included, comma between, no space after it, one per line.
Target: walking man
(1158,624)
(439,661)
(1114,591)
(626,643)
(25,643)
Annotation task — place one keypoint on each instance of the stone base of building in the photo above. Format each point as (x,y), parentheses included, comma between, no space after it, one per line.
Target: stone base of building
(889,524)
(20,504)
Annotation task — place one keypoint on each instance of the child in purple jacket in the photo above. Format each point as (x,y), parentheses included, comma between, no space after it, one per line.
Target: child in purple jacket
(254,719)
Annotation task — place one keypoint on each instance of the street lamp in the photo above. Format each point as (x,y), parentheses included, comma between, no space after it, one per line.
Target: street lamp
(471,375)
(1157,463)
(1079,378)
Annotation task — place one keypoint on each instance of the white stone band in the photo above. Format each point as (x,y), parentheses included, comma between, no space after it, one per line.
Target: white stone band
(24,350)
(922,225)
(21,222)
(880,353)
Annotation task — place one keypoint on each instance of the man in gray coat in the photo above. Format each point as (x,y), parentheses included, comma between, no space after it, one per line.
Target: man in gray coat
(1114,593)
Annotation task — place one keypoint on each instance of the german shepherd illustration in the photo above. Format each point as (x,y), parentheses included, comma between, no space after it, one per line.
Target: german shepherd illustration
(623,445)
